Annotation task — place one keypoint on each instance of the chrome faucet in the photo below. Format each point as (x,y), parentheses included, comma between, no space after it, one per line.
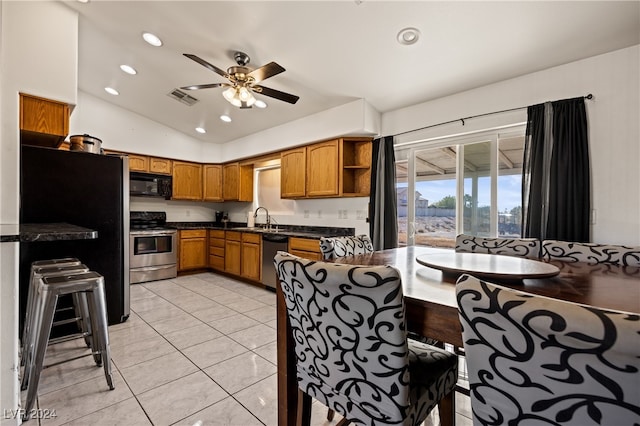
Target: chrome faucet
(255,215)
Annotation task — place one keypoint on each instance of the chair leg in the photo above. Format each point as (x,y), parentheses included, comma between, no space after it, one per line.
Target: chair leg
(447,409)
(330,415)
(304,409)
(49,301)
(99,325)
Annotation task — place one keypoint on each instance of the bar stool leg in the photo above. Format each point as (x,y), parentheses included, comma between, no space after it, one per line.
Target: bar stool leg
(49,301)
(82,312)
(100,331)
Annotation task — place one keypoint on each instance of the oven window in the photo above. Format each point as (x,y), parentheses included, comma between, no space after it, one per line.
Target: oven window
(152,245)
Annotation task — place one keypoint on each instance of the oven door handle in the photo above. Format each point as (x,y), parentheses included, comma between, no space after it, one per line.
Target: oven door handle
(152,234)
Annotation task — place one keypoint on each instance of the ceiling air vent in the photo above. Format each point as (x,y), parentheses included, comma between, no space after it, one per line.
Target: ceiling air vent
(181,96)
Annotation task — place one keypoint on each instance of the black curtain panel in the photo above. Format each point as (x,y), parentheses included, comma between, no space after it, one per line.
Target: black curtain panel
(556,185)
(383,210)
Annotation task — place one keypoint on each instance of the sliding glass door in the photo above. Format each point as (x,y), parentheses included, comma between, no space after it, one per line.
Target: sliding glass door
(468,185)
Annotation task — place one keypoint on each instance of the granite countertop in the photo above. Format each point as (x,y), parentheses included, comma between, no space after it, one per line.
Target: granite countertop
(286,230)
(31,232)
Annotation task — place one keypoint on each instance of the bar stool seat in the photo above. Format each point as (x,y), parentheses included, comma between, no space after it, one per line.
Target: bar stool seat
(91,286)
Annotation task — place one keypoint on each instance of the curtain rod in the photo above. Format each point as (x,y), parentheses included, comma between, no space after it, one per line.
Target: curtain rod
(589,96)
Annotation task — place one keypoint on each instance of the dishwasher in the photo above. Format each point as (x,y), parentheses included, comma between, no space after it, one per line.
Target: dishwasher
(271,244)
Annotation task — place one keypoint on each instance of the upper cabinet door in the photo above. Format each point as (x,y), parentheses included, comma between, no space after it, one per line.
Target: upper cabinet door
(187,181)
(138,163)
(212,182)
(322,169)
(43,122)
(238,182)
(160,165)
(293,170)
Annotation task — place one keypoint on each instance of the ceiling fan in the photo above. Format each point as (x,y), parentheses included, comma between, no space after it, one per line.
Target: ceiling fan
(243,80)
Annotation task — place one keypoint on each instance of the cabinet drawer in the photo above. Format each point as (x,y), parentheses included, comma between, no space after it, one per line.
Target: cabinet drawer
(216,233)
(304,244)
(248,237)
(306,254)
(216,242)
(233,235)
(216,251)
(193,233)
(216,262)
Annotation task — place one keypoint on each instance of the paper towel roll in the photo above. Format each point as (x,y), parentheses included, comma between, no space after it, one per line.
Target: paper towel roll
(251,221)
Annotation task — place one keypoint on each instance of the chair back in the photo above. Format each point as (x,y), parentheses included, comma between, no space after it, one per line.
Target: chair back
(523,247)
(350,338)
(345,246)
(591,253)
(532,359)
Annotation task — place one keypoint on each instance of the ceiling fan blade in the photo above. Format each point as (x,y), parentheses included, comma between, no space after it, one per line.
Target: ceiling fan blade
(207,65)
(286,97)
(202,86)
(266,71)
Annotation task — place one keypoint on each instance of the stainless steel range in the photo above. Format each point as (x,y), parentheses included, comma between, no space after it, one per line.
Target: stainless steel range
(152,248)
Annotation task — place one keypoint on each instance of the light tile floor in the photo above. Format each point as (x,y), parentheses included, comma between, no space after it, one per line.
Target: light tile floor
(198,349)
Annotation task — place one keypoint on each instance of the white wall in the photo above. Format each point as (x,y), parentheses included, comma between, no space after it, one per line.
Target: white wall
(38,55)
(614,127)
(120,129)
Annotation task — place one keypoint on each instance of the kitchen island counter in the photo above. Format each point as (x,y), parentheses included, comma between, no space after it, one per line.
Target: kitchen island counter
(31,232)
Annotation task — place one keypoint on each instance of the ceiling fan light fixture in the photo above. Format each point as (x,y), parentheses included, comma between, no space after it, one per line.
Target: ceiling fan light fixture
(225,118)
(200,130)
(238,96)
(152,39)
(260,103)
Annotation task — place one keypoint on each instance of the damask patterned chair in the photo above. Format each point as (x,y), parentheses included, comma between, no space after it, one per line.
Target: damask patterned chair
(536,360)
(523,247)
(352,351)
(591,253)
(345,246)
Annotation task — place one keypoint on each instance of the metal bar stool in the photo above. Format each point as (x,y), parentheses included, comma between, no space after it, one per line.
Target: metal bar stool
(49,289)
(56,267)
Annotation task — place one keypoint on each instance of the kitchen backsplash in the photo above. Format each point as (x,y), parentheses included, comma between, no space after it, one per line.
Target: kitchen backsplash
(335,212)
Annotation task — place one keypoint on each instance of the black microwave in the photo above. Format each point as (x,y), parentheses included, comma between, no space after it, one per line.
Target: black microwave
(150,185)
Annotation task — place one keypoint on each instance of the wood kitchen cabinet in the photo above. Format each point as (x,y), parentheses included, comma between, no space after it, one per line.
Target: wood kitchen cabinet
(216,249)
(322,169)
(355,163)
(187,181)
(293,171)
(307,248)
(212,182)
(43,122)
(251,256)
(238,182)
(192,249)
(138,163)
(146,164)
(232,252)
(335,168)
(160,166)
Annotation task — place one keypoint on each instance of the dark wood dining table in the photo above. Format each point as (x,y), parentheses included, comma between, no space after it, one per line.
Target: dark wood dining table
(431,308)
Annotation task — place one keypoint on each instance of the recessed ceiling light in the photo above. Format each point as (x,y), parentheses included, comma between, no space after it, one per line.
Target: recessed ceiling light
(260,104)
(83,1)
(225,118)
(111,91)
(200,130)
(128,69)
(408,36)
(152,39)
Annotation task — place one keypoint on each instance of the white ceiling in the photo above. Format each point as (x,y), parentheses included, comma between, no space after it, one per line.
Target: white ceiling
(334,52)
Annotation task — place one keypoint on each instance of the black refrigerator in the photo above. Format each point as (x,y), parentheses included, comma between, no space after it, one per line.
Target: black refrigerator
(87,190)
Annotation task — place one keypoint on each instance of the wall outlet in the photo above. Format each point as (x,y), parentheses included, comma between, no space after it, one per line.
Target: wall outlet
(319,214)
(306,214)
(188,212)
(360,214)
(344,214)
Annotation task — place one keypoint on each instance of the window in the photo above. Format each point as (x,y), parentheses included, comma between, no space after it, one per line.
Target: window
(470,184)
